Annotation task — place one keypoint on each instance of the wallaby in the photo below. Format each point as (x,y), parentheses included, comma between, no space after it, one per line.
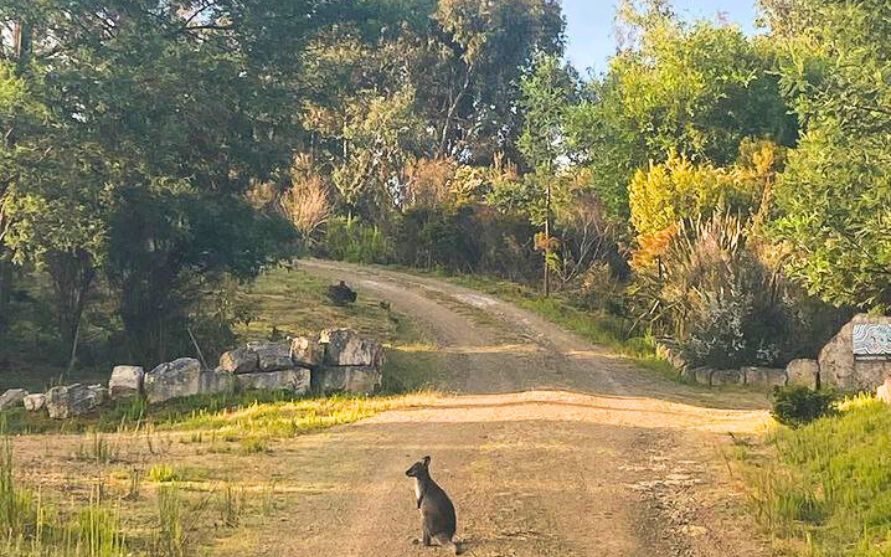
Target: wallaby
(438,521)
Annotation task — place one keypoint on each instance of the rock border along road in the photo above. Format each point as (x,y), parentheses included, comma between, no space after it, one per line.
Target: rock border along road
(549,447)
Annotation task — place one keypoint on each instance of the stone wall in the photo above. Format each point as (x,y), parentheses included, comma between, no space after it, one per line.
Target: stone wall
(336,360)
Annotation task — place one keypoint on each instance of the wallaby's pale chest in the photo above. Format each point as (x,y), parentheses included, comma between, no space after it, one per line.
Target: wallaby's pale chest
(417,490)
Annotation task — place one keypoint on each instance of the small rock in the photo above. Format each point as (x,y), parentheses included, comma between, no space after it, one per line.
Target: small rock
(126,381)
(350,379)
(72,400)
(35,403)
(174,379)
(216,382)
(764,376)
(703,375)
(12,398)
(725,377)
(307,351)
(100,392)
(240,360)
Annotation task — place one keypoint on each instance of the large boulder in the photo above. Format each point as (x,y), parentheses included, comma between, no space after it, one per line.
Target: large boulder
(240,360)
(126,381)
(804,373)
(296,380)
(174,379)
(307,351)
(272,356)
(839,367)
(216,382)
(72,400)
(345,347)
(350,379)
(12,398)
(35,402)
(756,376)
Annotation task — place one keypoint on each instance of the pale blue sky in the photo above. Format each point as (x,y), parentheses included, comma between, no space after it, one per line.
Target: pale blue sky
(589,28)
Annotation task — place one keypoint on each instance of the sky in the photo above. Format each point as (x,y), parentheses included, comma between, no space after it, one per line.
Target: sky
(589,25)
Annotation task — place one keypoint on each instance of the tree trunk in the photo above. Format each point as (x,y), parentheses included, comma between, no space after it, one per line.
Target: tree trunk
(72,275)
(5,290)
(547,239)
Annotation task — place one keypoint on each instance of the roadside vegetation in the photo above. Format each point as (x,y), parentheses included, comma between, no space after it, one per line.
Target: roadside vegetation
(822,489)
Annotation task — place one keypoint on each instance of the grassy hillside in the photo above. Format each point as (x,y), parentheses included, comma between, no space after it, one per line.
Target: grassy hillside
(824,490)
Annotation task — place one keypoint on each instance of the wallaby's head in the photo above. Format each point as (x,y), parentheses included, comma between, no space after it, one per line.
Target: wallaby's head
(419,469)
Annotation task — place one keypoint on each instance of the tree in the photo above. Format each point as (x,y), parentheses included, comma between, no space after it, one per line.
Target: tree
(547,93)
(679,189)
(697,91)
(481,50)
(834,197)
(174,109)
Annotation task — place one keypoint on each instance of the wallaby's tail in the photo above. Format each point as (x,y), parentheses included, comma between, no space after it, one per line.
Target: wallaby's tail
(449,544)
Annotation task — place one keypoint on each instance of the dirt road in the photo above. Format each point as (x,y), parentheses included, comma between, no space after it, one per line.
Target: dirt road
(550,447)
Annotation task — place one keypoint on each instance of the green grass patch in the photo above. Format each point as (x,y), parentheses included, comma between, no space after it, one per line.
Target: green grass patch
(293,302)
(282,419)
(30,527)
(824,489)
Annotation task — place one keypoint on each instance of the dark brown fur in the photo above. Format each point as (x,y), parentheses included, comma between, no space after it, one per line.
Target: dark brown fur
(438,522)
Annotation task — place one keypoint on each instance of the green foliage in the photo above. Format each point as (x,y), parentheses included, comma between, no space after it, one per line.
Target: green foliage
(796,405)
(673,191)
(171,537)
(711,291)
(700,90)
(834,197)
(356,241)
(31,528)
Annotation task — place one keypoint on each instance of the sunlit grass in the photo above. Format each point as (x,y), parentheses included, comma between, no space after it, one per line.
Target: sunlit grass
(825,489)
(289,418)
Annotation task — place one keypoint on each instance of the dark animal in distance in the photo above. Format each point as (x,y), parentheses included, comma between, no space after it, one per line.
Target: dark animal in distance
(438,522)
(341,294)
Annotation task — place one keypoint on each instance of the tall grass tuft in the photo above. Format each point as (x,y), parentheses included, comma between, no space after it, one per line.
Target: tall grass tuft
(29,528)
(171,538)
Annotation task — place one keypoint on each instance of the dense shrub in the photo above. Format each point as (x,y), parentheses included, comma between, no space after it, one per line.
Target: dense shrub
(355,241)
(795,405)
(469,238)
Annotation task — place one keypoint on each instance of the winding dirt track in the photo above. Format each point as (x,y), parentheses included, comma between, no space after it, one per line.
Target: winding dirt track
(549,447)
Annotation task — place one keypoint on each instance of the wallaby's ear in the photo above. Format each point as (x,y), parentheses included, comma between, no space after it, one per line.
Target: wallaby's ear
(426,460)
